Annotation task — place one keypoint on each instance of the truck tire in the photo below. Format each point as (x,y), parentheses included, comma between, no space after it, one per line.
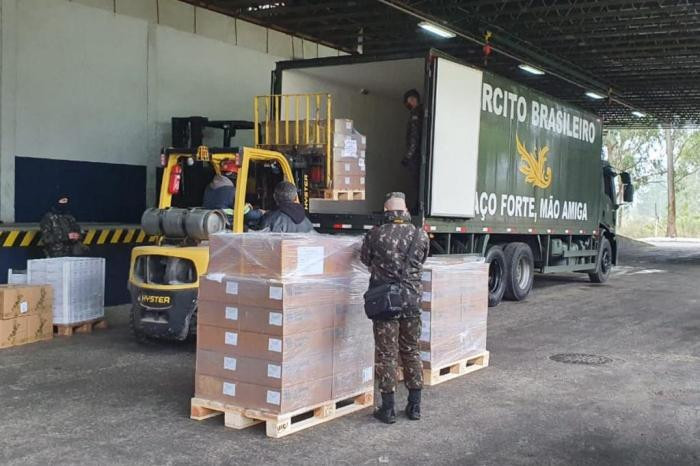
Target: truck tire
(520,271)
(497,269)
(602,272)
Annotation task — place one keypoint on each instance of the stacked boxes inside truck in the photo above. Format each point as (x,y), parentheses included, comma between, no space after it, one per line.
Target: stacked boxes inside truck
(349,155)
(25,314)
(78,286)
(454,314)
(280,323)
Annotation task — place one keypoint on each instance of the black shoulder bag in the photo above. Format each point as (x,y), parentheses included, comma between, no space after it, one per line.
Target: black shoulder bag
(386,301)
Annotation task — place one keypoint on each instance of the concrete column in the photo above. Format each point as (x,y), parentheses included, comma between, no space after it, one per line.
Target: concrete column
(153,142)
(8,107)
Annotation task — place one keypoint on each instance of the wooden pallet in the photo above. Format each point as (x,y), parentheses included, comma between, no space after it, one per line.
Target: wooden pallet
(280,425)
(456,369)
(453,370)
(344,195)
(67,330)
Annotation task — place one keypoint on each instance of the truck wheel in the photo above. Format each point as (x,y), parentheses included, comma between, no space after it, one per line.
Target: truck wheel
(520,271)
(602,272)
(497,269)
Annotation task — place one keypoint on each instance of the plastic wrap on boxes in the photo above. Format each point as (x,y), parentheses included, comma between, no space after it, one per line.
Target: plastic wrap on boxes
(283,255)
(281,324)
(454,309)
(78,286)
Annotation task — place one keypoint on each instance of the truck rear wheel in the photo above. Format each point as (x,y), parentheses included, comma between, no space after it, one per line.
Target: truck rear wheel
(520,271)
(602,272)
(497,269)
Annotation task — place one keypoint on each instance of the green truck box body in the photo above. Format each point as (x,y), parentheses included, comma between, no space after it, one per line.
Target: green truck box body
(552,181)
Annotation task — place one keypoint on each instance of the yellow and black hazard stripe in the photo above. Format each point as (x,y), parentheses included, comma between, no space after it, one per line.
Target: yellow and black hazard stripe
(98,236)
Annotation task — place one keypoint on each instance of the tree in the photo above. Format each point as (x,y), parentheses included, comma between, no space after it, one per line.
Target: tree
(682,160)
(670,186)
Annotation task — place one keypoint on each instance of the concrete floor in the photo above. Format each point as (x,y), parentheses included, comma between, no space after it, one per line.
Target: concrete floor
(103,399)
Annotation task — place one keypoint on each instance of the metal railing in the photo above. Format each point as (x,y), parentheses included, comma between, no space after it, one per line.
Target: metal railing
(295,120)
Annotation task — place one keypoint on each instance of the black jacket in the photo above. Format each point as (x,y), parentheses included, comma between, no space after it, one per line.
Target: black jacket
(287,218)
(384,252)
(414,134)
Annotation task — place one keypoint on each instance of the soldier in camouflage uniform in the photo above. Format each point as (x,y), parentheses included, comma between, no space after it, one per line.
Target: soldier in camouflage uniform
(60,233)
(384,252)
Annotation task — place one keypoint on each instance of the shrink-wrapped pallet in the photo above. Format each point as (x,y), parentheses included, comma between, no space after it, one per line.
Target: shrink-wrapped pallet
(279,325)
(78,286)
(454,309)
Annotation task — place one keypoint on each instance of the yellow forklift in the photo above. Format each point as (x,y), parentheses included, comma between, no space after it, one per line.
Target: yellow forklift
(292,135)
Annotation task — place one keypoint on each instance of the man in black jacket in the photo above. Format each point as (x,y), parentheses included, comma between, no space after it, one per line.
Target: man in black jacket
(289,216)
(384,252)
(414,136)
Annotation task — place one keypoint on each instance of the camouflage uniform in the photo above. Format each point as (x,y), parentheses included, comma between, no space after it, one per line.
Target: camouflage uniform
(55,230)
(383,251)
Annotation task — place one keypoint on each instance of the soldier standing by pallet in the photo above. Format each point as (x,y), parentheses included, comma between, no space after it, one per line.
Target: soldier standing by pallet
(60,233)
(394,253)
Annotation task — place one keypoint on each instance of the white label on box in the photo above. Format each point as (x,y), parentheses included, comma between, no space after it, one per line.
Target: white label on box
(231,313)
(347,180)
(427,296)
(273,397)
(274,371)
(425,355)
(229,364)
(425,333)
(367,374)
(350,148)
(310,260)
(231,338)
(348,124)
(275,318)
(362,153)
(216,277)
(276,292)
(23,307)
(348,167)
(362,180)
(231,287)
(426,277)
(229,389)
(274,344)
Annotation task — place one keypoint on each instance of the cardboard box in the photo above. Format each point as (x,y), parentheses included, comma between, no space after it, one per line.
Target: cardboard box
(270,294)
(257,345)
(256,319)
(349,168)
(251,396)
(349,182)
(270,374)
(21,300)
(39,327)
(351,382)
(269,255)
(352,348)
(13,332)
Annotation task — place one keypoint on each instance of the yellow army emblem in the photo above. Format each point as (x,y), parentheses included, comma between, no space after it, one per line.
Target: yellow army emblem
(534,166)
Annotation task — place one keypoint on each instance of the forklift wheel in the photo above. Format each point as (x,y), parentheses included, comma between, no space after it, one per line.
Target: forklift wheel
(139,334)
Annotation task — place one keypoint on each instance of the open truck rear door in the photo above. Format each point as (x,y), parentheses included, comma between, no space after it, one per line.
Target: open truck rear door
(454,103)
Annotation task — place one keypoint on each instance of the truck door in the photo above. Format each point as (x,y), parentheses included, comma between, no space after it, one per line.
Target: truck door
(454,105)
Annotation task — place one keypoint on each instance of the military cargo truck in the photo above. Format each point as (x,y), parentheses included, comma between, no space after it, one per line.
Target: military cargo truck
(506,172)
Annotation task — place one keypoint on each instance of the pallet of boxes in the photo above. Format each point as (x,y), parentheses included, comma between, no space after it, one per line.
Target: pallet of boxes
(25,314)
(349,167)
(454,315)
(281,333)
(78,285)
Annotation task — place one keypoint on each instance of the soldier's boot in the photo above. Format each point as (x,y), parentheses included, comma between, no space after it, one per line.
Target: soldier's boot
(413,405)
(386,412)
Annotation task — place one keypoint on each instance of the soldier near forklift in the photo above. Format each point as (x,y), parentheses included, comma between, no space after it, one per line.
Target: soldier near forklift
(394,253)
(60,233)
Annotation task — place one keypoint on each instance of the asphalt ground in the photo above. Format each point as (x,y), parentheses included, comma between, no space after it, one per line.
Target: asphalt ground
(104,399)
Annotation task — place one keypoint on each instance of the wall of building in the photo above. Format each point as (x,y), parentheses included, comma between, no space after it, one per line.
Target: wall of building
(98,80)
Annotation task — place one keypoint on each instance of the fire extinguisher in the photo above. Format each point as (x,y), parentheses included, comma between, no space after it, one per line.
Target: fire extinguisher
(175,179)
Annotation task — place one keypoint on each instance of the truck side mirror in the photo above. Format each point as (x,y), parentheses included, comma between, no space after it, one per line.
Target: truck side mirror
(628,192)
(625,178)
